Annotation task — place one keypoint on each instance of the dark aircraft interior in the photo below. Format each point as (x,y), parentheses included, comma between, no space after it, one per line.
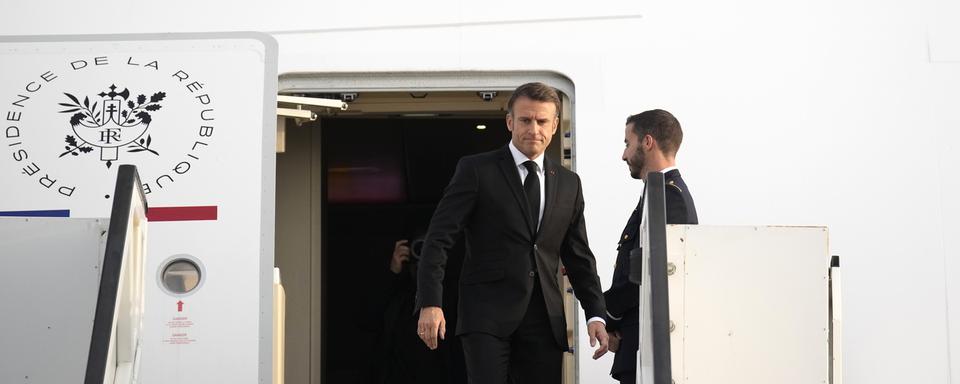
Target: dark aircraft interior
(383,178)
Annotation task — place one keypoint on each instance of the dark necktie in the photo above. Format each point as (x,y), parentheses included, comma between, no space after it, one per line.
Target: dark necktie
(531,186)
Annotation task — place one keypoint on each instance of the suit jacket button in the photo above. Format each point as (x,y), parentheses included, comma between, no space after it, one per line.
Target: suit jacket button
(534,247)
(532,273)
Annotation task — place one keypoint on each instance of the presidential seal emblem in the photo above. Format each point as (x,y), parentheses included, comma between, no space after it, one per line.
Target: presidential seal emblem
(62,124)
(113,122)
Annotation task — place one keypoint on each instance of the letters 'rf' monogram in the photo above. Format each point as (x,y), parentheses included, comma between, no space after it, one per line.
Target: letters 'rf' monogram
(115,121)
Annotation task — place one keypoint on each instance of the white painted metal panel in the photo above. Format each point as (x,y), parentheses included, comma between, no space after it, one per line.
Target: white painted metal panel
(750,304)
(836,331)
(208,141)
(48,290)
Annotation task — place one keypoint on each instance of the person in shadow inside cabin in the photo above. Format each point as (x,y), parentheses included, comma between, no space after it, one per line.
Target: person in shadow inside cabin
(652,139)
(404,358)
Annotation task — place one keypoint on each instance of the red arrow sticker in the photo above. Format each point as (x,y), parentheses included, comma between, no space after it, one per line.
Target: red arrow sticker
(179,306)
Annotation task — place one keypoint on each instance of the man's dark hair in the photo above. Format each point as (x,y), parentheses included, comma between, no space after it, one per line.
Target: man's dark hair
(662,126)
(536,92)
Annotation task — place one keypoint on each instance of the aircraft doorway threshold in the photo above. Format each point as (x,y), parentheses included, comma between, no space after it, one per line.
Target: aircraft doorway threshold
(354,181)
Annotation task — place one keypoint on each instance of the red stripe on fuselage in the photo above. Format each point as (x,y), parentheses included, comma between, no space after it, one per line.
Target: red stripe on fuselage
(182,213)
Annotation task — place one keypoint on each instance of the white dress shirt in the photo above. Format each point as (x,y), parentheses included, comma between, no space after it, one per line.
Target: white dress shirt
(519,158)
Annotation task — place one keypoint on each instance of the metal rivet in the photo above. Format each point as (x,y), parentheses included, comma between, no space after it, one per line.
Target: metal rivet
(672,326)
(671,269)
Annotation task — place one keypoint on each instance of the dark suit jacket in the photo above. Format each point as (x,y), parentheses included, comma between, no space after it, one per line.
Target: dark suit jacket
(504,250)
(623,297)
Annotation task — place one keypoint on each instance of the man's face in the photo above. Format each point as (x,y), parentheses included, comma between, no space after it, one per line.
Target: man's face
(634,154)
(532,125)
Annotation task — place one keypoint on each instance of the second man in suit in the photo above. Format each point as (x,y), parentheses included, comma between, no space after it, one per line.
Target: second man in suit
(652,139)
(521,215)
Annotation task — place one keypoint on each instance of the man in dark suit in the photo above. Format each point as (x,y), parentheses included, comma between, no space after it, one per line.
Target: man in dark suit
(652,139)
(521,215)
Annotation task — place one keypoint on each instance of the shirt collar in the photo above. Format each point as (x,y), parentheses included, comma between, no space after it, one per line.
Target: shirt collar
(519,158)
(667,169)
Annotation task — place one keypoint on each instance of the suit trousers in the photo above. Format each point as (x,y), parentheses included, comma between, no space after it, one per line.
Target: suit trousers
(529,355)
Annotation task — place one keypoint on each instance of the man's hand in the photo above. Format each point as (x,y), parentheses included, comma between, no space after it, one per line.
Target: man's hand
(597,331)
(431,325)
(401,253)
(614,341)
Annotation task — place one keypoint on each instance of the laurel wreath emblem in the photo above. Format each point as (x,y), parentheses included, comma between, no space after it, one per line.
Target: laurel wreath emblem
(134,113)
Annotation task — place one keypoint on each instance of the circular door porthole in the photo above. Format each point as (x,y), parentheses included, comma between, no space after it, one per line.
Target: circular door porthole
(181,275)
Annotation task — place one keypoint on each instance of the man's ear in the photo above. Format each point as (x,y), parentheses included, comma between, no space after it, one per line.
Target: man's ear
(648,143)
(509,122)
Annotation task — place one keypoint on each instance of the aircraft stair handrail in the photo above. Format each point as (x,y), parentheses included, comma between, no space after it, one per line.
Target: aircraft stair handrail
(648,268)
(114,344)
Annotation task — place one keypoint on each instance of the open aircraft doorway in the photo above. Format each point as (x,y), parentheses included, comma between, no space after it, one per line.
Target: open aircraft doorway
(354,182)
